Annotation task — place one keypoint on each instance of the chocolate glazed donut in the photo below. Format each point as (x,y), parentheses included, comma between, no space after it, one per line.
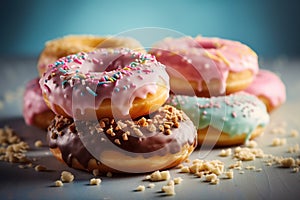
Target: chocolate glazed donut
(149,143)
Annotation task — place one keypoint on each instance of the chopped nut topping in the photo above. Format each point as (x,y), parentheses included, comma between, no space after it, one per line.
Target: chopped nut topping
(124,136)
(142,122)
(138,132)
(96,172)
(168,132)
(117,141)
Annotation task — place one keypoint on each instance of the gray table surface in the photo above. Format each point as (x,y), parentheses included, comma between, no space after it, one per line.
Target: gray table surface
(272,182)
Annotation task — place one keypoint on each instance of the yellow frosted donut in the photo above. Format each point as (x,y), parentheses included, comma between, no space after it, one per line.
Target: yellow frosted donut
(71,44)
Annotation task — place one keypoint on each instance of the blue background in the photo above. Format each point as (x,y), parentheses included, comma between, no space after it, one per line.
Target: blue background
(271,28)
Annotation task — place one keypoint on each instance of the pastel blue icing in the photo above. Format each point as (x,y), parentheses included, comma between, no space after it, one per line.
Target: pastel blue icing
(234,114)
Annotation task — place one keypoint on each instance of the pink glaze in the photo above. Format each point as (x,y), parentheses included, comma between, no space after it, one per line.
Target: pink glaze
(33,102)
(82,81)
(268,85)
(204,59)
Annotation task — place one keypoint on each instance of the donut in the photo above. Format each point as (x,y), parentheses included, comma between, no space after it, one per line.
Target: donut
(269,88)
(35,111)
(71,44)
(105,83)
(158,141)
(224,120)
(206,66)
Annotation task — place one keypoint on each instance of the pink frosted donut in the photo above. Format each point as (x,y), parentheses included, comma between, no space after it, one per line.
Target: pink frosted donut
(105,83)
(206,66)
(35,110)
(269,88)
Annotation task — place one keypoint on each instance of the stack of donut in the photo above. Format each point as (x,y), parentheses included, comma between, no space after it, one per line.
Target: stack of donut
(119,110)
(207,76)
(109,113)
(35,111)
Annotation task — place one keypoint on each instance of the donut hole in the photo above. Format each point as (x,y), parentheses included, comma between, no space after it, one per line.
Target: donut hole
(209,45)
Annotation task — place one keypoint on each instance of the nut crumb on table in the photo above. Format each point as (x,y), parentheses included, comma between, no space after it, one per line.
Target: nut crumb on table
(66,177)
(95,181)
(59,183)
(38,143)
(140,188)
(40,168)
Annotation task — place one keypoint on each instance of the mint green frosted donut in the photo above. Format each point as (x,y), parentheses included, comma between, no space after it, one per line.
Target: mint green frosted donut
(234,114)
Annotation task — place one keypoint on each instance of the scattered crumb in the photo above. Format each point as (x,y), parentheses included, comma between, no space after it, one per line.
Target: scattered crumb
(171,182)
(241,172)
(225,153)
(278,130)
(159,176)
(140,188)
(269,163)
(40,168)
(215,181)
(95,181)
(258,170)
(294,133)
(151,185)
(229,174)
(178,180)
(59,183)
(251,144)
(66,177)
(12,148)
(38,143)
(214,166)
(237,165)
(287,162)
(212,178)
(247,154)
(185,169)
(169,189)
(294,149)
(109,174)
(250,167)
(278,142)
(296,169)
(297,161)
(148,177)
